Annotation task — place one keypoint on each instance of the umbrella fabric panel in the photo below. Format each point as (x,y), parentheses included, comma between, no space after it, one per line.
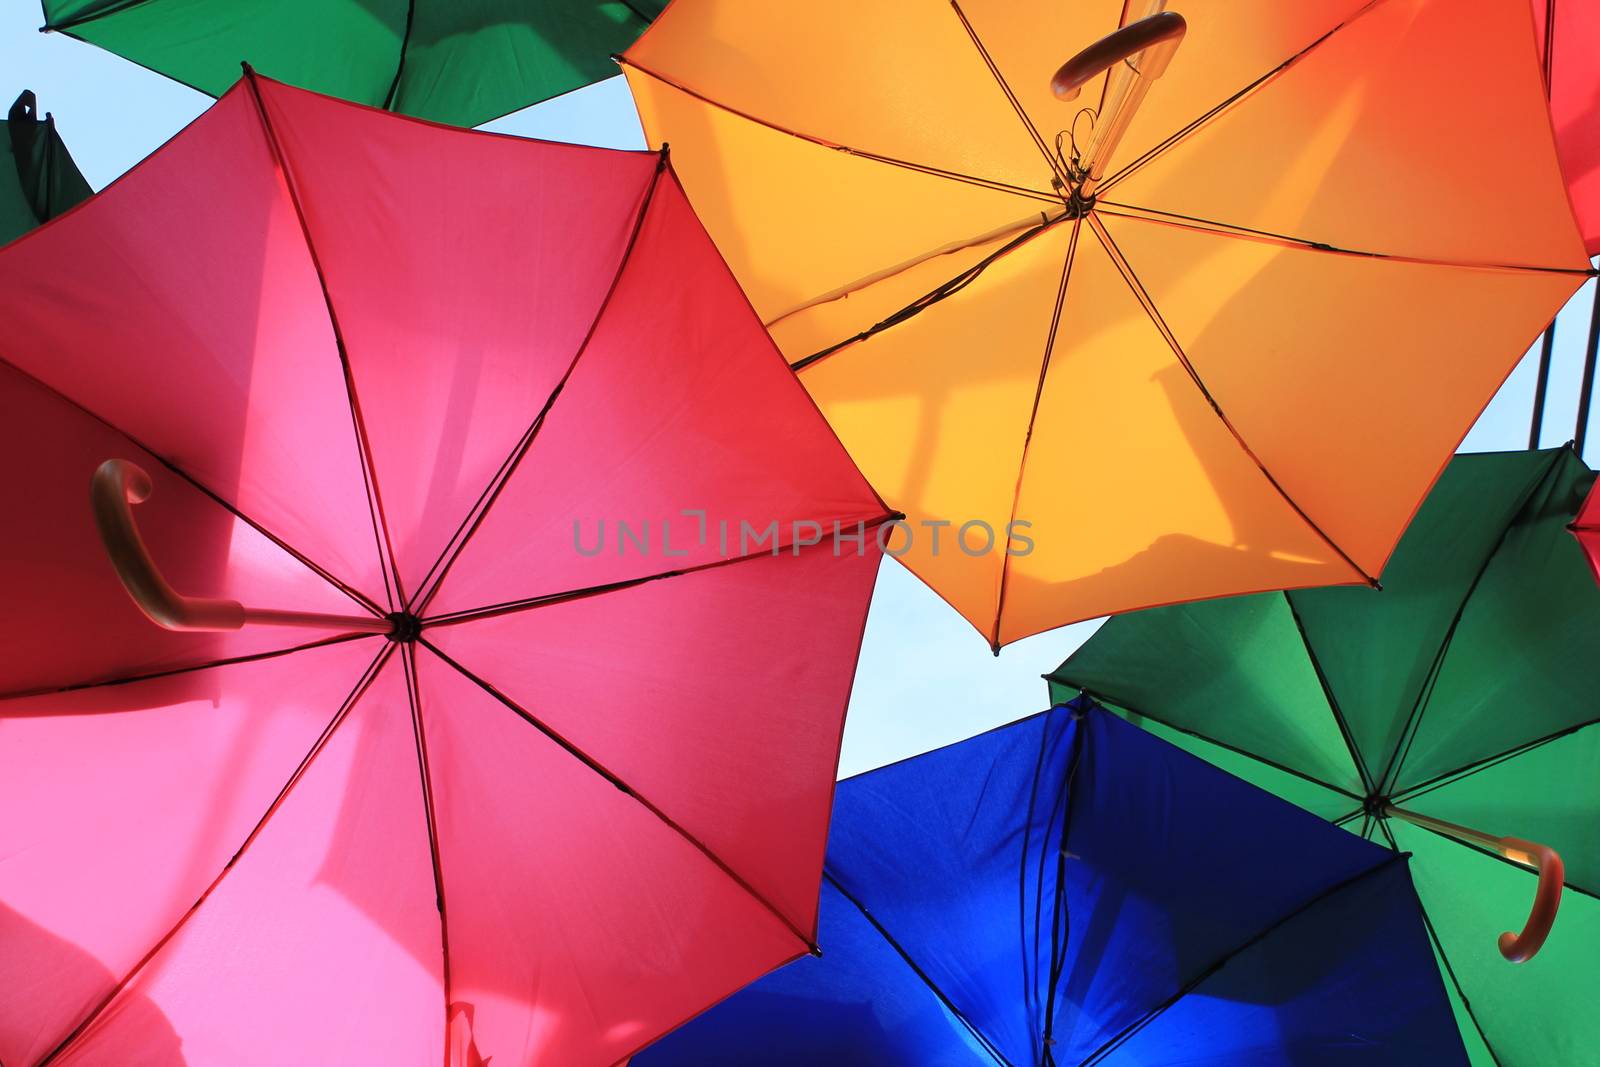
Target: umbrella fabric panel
(127,801)
(215,353)
(1485,702)
(1568,44)
(1549,785)
(1536,1013)
(458,325)
(1377,651)
(861,1004)
(1234,671)
(1304,993)
(38,179)
(731,731)
(72,623)
(679,421)
(658,930)
(320,943)
(461,62)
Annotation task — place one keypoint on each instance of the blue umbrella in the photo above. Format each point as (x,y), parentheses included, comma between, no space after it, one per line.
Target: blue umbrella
(1072,890)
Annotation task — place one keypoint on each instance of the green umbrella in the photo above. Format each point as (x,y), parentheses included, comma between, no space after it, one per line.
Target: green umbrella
(1460,695)
(40,181)
(463,62)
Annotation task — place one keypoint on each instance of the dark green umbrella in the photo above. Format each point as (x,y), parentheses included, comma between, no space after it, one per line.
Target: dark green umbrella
(1460,695)
(463,62)
(40,181)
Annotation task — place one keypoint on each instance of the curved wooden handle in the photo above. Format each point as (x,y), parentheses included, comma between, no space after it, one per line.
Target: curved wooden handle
(1165,28)
(115,487)
(1520,948)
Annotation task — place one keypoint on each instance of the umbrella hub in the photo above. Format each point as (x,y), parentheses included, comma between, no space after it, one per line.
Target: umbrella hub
(1376,806)
(407,627)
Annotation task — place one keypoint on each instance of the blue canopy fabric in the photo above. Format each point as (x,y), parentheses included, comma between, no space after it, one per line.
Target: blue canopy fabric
(1072,890)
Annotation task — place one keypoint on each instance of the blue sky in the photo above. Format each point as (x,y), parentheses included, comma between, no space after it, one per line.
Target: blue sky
(926,677)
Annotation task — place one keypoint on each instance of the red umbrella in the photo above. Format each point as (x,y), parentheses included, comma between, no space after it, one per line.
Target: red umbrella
(1586,528)
(1569,37)
(521,746)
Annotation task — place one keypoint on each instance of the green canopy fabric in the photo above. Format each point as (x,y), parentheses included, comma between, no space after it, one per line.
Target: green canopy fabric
(39,181)
(1464,689)
(461,62)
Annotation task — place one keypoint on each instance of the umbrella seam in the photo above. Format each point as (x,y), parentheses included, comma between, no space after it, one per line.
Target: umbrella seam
(991,184)
(348,590)
(91,16)
(623,787)
(431,581)
(1033,415)
(1333,701)
(1408,733)
(168,672)
(424,769)
(369,475)
(1016,104)
(927,980)
(1449,970)
(1183,132)
(1196,224)
(1467,770)
(317,747)
(546,600)
(400,66)
(1132,1029)
(1144,298)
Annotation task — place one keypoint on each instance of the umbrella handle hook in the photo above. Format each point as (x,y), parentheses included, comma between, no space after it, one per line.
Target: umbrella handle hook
(1516,948)
(115,487)
(1137,54)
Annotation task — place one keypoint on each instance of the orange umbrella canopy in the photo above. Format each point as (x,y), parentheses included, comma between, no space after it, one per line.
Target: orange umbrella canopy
(1329,232)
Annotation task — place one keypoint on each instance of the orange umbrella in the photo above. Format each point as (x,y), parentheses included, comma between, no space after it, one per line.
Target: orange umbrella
(1202,335)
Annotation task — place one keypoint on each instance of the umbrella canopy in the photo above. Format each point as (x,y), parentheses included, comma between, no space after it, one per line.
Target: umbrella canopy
(462,62)
(1462,691)
(1229,353)
(1586,528)
(1070,890)
(373,378)
(1569,41)
(41,181)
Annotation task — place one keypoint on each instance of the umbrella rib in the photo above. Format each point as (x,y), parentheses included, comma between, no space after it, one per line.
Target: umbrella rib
(1468,769)
(1408,733)
(1055,164)
(408,660)
(433,580)
(1345,732)
(1103,698)
(1033,415)
(1133,1028)
(348,590)
(130,679)
(921,974)
(1450,971)
(920,168)
(1140,293)
(400,66)
(1185,131)
(546,600)
(943,291)
(299,772)
(627,790)
(369,475)
(1197,224)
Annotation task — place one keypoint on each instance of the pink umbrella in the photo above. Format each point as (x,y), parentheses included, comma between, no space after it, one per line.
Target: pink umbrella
(520,747)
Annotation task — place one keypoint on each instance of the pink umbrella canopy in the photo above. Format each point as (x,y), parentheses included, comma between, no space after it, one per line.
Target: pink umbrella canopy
(504,395)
